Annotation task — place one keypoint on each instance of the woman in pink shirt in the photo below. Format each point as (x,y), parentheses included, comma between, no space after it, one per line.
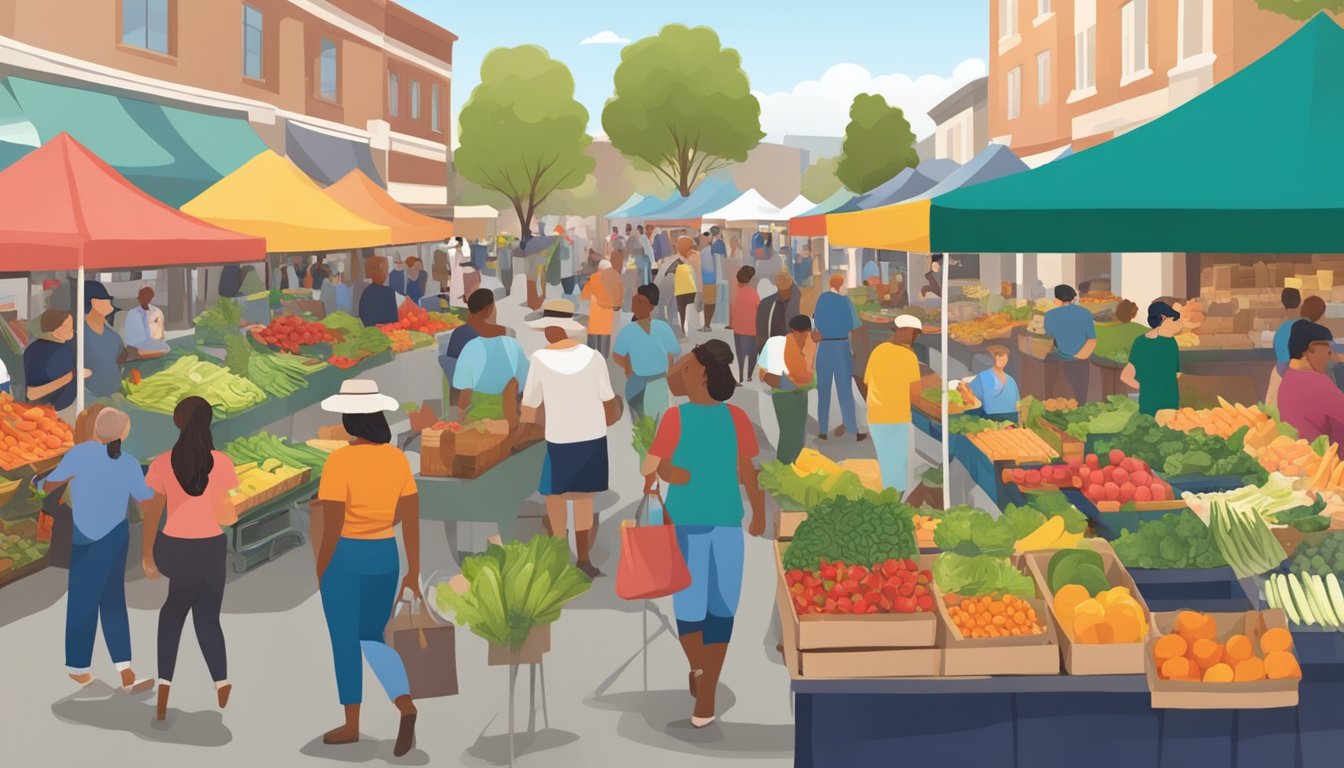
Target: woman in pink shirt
(1309,399)
(192,482)
(743,321)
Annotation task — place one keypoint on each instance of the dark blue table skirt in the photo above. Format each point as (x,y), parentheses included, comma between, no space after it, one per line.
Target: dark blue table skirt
(1064,722)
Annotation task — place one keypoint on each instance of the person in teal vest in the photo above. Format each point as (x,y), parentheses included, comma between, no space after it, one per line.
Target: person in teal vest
(704,450)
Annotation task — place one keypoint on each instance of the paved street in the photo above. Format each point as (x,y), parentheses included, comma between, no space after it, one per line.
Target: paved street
(603,712)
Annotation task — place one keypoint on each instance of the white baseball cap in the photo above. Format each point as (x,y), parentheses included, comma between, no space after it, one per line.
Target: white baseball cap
(909,321)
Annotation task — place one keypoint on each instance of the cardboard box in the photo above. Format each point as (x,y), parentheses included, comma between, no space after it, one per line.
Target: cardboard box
(1263,694)
(1086,658)
(850,663)
(1325,279)
(1223,276)
(1026,655)
(878,630)
(789,520)
(333,432)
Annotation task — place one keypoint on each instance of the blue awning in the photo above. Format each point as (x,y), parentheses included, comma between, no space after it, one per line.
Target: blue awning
(328,159)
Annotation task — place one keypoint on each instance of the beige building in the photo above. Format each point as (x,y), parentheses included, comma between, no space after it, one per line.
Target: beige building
(962,122)
(333,83)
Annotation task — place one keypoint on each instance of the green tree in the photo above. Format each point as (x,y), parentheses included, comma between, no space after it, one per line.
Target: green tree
(878,144)
(820,181)
(1301,10)
(683,105)
(523,135)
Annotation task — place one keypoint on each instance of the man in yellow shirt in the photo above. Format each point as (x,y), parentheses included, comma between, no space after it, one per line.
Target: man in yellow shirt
(889,384)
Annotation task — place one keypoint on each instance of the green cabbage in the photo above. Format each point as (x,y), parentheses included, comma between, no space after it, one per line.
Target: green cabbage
(980,575)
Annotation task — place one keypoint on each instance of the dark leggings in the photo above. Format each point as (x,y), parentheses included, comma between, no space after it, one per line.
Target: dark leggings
(746,355)
(683,301)
(195,569)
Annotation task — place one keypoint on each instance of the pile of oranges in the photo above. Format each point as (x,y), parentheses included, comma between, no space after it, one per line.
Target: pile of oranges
(994,616)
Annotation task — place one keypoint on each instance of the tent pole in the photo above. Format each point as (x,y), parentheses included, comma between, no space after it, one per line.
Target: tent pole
(947,377)
(79,347)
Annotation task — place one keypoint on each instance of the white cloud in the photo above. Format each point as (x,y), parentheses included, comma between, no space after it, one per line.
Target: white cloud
(821,107)
(605,37)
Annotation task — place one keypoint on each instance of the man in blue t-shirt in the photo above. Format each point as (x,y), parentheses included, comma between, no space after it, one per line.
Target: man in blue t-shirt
(835,318)
(49,363)
(1075,338)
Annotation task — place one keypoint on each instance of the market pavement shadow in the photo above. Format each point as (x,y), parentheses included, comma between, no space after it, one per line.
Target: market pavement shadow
(366,750)
(33,594)
(661,719)
(494,750)
(98,705)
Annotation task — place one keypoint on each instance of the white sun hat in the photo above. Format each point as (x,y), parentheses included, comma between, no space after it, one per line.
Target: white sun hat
(909,321)
(556,313)
(359,396)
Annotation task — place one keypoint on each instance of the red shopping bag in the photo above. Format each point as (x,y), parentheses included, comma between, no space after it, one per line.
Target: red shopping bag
(651,564)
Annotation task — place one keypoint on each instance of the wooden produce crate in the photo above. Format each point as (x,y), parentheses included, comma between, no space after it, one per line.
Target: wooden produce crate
(1026,655)
(1088,658)
(874,645)
(244,504)
(472,467)
(1182,694)
(789,520)
(437,453)
(1068,447)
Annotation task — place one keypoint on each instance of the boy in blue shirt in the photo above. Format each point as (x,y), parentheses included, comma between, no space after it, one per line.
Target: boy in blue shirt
(1075,338)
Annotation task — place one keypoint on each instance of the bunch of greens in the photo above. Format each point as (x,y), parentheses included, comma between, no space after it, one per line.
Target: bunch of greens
(642,436)
(1306,518)
(1321,558)
(226,315)
(356,341)
(1177,454)
(804,493)
(1177,540)
(932,477)
(1019,313)
(1103,418)
(237,354)
(969,531)
(980,575)
(513,588)
(864,531)
(935,395)
(970,425)
(1053,503)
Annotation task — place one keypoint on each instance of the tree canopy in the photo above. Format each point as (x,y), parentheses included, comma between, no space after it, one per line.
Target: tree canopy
(1301,10)
(878,144)
(819,180)
(683,105)
(522,133)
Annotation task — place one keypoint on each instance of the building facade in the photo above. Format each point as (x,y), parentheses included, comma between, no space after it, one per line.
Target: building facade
(962,122)
(333,84)
(1074,73)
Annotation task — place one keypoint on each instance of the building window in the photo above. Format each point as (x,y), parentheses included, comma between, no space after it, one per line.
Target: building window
(252,36)
(1133,38)
(415,100)
(434,108)
(1007,18)
(1043,7)
(1195,36)
(1043,77)
(144,24)
(327,66)
(1085,47)
(393,94)
(1014,92)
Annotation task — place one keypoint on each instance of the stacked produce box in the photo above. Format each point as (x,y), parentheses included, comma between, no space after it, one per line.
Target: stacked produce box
(452,449)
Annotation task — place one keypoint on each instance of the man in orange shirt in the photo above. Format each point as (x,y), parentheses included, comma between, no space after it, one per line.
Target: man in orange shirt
(604,293)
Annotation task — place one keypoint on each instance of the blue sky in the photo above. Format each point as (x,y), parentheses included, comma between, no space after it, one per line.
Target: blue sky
(913,51)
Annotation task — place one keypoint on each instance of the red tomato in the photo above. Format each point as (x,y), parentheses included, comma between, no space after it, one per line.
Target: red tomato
(1093,461)
(1112,492)
(1116,456)
(1120,475)
(1033,477)
(1127,491)
(1143,493)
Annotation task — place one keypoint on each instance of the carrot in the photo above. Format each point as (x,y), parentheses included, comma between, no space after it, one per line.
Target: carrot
(1275,640)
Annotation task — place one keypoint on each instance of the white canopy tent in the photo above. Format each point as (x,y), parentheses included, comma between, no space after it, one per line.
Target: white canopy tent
(798,207)
(749,207)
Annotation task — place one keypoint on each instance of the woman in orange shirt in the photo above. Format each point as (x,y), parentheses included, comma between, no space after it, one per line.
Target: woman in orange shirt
(604,294)
(192,482)
(366,489)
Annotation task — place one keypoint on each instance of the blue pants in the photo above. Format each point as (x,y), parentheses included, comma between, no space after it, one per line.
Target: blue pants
(98,590)
(714,556)
(835,363)
(892,443)
(643,266)
(359,589)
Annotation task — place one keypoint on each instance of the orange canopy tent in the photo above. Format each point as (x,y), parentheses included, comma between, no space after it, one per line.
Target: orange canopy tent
(365,198)
(66,209)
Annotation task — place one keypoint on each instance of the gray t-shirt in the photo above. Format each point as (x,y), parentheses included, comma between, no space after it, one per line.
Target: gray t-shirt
(101,351)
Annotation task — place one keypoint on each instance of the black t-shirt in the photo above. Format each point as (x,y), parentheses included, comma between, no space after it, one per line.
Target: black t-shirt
(45,361)
(378,305)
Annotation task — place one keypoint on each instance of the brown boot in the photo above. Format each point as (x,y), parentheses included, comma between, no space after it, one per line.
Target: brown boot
(714,656)
(348,733)
(694,646)
(406,728)
(161,707)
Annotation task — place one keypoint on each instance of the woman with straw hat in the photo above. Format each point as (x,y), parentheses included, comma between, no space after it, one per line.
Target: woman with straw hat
(103,479)
(367,488)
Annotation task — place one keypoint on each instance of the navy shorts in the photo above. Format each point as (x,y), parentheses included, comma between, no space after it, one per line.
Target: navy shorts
(574,468)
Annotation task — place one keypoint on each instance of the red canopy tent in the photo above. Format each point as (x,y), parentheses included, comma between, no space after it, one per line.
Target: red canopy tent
(65,209)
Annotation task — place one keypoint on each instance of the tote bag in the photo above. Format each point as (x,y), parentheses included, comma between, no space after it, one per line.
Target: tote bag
(427,648)
(651,564)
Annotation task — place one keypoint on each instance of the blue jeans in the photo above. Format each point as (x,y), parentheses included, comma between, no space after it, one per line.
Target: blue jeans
(714,555)
(98,591)
(892,443)
(835,364)
(359,589)
(643,266)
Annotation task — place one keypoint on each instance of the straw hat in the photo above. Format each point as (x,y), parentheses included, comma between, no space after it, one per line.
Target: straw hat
(556,313)
(359,396)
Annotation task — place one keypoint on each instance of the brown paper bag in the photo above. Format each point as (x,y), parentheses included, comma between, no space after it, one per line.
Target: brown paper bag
(427,648)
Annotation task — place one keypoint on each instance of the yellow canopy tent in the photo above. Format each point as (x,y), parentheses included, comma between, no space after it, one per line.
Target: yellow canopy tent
(361,195)
(904,226)
(270,197)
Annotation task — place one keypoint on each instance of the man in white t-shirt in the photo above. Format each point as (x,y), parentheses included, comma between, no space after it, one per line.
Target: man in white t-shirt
(573,379)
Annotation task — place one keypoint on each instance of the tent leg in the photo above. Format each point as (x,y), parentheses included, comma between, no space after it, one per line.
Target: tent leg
(79,350)
(947,377)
